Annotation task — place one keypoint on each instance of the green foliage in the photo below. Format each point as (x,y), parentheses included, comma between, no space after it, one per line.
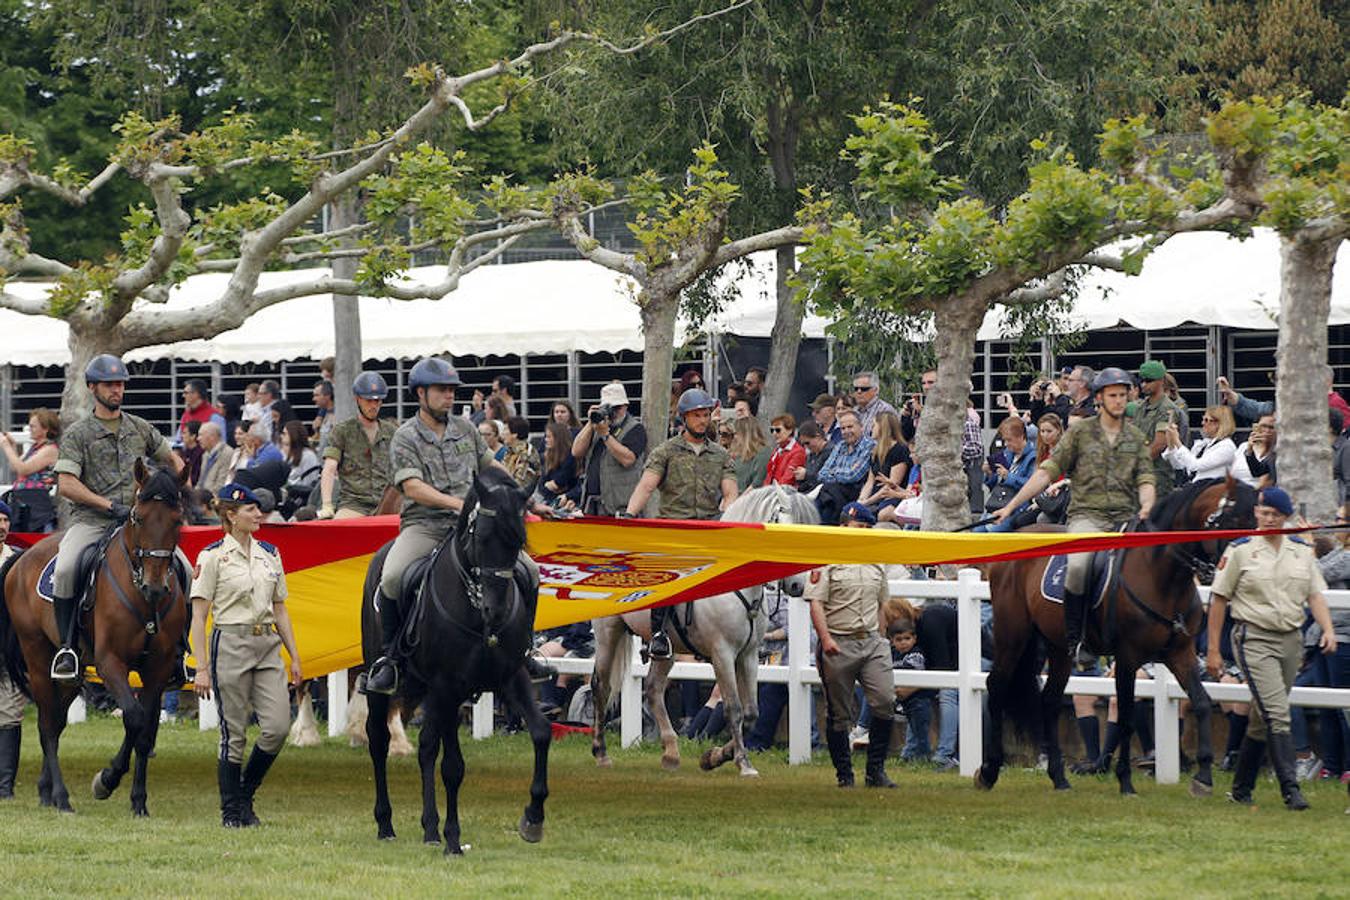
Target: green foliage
(666,220)
(1123,142)
(1062,207)
(1276,47)
(1245,128)
(143,141)
(73,288)
(138,238)
(15,150)
(224,225)
(424,183)
(380,264)
(894,153)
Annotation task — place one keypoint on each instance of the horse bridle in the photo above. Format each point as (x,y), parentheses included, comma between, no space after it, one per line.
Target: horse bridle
(158,598)
(1202,567)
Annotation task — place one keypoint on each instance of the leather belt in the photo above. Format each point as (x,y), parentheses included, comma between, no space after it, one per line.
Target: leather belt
(257,629)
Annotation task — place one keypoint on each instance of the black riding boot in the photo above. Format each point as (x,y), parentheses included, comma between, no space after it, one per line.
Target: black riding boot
(841,756)
(1248,765)
(1282,759)
(659,646)
(66,663)
(227,775)
(9,759)
(259,761)
(1075,611)
(878,746)
(383,675)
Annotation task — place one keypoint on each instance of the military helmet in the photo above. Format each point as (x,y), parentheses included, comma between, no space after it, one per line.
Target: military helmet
(1111,376)
(432,371)
(370,386)
(105,367)
(694,398)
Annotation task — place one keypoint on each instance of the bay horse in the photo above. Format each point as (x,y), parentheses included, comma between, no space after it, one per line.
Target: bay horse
(469,633)
(136,622)
(1151,612)
(726,629)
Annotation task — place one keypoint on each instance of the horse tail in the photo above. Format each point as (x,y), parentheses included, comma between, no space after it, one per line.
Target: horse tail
(618,669)
(10,650)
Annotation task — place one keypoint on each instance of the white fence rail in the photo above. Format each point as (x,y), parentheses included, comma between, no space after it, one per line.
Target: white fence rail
(969,592)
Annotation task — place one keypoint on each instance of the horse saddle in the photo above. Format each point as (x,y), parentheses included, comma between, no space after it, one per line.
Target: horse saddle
(1100,576)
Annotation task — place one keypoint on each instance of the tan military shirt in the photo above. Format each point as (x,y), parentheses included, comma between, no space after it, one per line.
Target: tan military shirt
(103,456)
(691,477)
(363,467)
(1106,476)
(241,584)
(446,463)
(850,595)
(1268,586)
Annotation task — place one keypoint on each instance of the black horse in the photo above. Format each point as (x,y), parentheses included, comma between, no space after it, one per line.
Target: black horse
(1151,612)
(470,632)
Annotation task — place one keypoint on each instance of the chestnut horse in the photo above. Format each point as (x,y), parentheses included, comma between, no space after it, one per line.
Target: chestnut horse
(1152,612)
(136,622)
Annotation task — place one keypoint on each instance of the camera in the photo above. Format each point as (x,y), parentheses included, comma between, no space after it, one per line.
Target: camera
(601,413)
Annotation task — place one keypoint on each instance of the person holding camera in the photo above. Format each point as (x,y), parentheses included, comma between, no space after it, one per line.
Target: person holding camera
(1046,397)
(614,445)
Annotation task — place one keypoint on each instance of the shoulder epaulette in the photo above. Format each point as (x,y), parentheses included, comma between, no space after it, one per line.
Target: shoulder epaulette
(1238,542)
(213,545)
(270,548)
(1298,539)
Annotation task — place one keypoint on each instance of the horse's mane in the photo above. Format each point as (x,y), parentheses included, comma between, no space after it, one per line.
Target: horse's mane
(1169,509)
(161,486)
(759,505)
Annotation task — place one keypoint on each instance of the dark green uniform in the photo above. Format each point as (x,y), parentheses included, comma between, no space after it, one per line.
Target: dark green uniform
(102,455)
(363,467)
(1150,419)
(691,478)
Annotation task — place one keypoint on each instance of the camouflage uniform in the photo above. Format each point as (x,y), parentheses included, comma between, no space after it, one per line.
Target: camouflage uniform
(11,700)
(1152,419)
(448,464)
(1106,481)
(363,468)
(102,457)
(691,478)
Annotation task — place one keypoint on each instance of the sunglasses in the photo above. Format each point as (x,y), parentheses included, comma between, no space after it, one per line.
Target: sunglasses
(861,388)
(776,429)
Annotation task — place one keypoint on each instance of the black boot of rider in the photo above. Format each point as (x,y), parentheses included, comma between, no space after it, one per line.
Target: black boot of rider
(659,646)
(9,759)
(259,761)
(1281,748)
(1075,611)
(383,676)
(1248,765)
(227,775)
(66,663)
(878,746)
(841,756)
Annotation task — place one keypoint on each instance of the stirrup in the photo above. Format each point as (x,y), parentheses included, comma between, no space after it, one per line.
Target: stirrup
(72,663)
(659,646)
(373,686)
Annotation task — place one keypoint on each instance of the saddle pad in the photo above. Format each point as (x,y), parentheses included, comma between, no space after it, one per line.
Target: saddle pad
(45,587)
(1052,579)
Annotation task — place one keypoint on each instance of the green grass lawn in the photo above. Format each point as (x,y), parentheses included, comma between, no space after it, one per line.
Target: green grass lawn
(636,830)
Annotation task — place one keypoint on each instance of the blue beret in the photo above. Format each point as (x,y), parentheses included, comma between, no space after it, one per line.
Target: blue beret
(235,492)
(4,510)
(858,513)
(1276,498)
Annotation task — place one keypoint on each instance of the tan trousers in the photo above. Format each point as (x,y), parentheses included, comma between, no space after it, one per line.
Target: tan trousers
(1076,576)
(1269,662)
(12,701)
(860,660)
(248,676)
(412,543)
(78,536)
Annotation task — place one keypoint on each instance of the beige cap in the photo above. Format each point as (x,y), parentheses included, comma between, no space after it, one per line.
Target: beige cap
(613,395)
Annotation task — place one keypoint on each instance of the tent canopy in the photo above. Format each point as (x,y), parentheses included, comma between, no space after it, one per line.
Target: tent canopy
(564,306)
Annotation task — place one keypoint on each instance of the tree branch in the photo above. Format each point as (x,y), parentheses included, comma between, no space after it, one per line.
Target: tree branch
(591,249)
(767,240)
(29,306)
(174,224)
(1051,288)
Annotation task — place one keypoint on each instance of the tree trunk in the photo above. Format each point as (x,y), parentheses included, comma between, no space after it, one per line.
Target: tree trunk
(784,341)
(938,441)
(346,319)
(1304,449)
(85,343)
(658,358)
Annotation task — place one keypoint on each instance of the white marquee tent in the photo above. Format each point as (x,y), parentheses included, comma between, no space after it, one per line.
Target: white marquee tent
(564,306)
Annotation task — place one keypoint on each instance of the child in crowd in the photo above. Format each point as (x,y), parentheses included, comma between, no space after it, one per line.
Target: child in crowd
(915,703)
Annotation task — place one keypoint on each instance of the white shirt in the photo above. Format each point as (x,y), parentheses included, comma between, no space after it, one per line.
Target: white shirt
(1239,469)
(1206,459)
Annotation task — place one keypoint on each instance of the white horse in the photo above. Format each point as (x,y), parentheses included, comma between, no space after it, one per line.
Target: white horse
(726,629)
(305,729)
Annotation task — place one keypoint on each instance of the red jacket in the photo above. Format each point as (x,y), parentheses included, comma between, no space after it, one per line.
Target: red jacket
(784,462)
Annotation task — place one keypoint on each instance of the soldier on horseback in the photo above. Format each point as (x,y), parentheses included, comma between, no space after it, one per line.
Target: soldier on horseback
(95,473)
(434,457)
(1108,461)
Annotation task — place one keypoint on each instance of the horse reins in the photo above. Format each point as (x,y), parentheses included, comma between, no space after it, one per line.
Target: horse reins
(135,558)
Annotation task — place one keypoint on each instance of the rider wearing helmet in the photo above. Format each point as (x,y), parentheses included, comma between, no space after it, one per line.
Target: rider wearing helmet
(695,478)
(1108,461)
(357,454)
(434,457)
(94,472)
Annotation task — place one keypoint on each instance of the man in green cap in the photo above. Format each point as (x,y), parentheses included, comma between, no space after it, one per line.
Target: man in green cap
(1152,415)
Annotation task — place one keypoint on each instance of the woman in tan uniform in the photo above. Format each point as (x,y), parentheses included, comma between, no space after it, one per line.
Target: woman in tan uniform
(240,582)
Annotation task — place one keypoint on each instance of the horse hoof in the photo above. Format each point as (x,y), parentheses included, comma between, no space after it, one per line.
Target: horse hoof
(980,783)
(432,841)
(604,762)
(140,813)
(1200,789)
(532,832)
(1063,786)
(101,791)
(386,834)
(456,849)
(750,772)
(705,762)
(670,763)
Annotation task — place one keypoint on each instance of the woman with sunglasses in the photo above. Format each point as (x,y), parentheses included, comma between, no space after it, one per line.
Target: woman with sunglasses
(1212,454)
